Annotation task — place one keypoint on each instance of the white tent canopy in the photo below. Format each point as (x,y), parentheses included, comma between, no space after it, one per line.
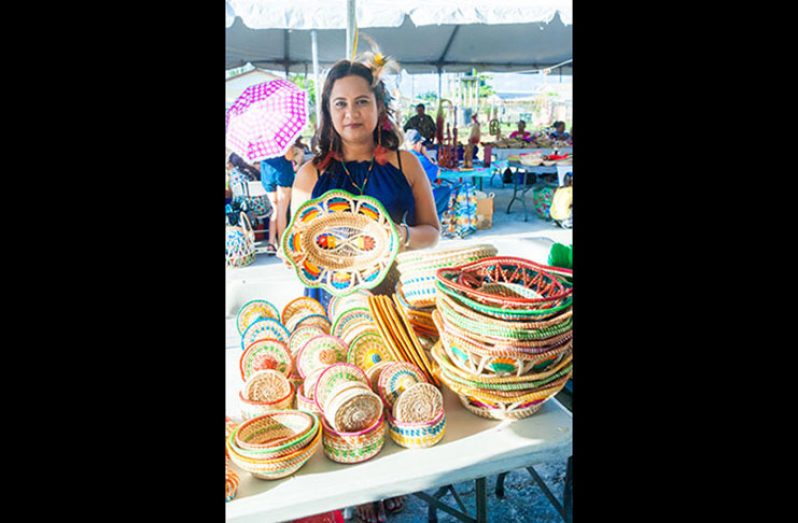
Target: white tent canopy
(424,36)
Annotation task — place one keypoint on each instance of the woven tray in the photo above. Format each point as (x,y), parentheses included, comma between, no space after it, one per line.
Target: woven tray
(276,468)
(298,306)
(253,310)
(266,354)
(264,329)
(319,352)
(341,242)
(367,350)
(507,282)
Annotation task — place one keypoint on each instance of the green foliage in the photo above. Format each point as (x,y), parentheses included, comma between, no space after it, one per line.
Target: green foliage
(310,86)
(485,89)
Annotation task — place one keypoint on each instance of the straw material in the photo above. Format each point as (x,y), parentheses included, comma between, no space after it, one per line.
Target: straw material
(311,319)
(302,335)
(415,342)
(397,378)
(417,435)
(254,408)
(302,305)
(420,403)
(277,468)
(505,313)
(266,354)
(367,350)
(334,375)
(351,317)
(373,373)
(253,310)
(501,412)
(231,482)
(353,447)
(264,329)
(339,304)
(309,385)
(320,351)
(275,435)
(266,386)
(304,403)
(507,282)
(341,242)
(239,246)
(422,259)
(359,330)
(354,410)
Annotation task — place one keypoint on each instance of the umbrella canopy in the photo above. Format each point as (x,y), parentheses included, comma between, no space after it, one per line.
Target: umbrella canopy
(265,121)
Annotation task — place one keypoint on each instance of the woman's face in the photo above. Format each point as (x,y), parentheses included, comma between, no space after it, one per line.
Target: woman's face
(353,108)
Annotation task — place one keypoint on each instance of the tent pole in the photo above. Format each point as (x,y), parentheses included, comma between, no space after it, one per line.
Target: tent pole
(314,49)
(440,73)
(285,40)
(350,27)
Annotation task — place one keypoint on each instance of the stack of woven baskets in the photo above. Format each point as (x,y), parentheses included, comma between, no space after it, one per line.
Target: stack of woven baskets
(353,424)
(416,290)
(231,476)
(413,406)
(274,445)
(505,325)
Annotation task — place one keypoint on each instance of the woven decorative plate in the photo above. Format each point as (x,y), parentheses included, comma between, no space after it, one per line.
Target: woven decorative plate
(264,329)
(420,403)
(397,378)
(358,330)
(265,354)
(267,386)
(342,303)
(302,335)
(341,242)
(319,352)
(297,305)
(334,375)
(253,310)
(507,282)
(304,320)
(355,315)
(367,350)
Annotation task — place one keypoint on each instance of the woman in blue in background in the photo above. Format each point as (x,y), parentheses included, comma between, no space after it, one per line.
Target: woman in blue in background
(277,177)
(358,151)
(440,193)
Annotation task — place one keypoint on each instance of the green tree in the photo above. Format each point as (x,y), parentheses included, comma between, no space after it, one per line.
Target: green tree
(485,89)
(308,85)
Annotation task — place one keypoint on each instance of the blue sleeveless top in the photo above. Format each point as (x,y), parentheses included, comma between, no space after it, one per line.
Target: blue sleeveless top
(386,183)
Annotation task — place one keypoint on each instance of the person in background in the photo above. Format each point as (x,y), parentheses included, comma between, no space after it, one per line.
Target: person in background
(423,123)
(277,176)
(559,132)
(414,143)
(521,133)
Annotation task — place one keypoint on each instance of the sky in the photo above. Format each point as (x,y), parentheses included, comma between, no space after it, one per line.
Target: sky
(502,82)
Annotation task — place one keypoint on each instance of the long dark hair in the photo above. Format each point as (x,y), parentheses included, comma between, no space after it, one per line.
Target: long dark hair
(387,133)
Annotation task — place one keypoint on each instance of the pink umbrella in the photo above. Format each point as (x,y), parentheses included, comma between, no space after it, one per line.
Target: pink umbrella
(265,121)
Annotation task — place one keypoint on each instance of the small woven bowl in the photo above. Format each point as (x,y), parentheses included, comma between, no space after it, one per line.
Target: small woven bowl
(331,377)
(253,310)
(338,304)
(367,350)
(353,447)
(266,385)
(397,378)
(417,435)
(278,468)
(252,409)
(266,354)
(354,409)
(350,317)
(263,329)
(420,403)
(318,320)
(268,438)
(298,305)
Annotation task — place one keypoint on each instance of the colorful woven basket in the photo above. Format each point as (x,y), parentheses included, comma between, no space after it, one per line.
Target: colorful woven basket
(278,434)
(353,407)
(267,386)
(319,352)
(334,375)
(341,242)
(396,378)
(349,318)
(266,354)
(302,335)
(338,304)
(420,403)
(263,329)
(239,245)
(417,435)
(231,482)
(309,319)
(353,447)
(254,310)
(253,408)
(508,282)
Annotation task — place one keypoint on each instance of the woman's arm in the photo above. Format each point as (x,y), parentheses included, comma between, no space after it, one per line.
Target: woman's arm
(426,231)
(304,182)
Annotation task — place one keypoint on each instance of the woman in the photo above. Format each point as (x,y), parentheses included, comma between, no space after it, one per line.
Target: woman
(277,176)
(521,133)
(414,143)
(358,151)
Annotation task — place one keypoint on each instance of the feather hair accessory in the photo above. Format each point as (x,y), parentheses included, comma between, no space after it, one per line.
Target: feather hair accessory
(377,61)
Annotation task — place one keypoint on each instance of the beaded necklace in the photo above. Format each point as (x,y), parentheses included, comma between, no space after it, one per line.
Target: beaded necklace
(362,188)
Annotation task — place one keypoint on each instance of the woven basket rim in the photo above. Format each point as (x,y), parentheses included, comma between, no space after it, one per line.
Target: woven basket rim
(284,330)
(313,305)
(371,428)
(301,351)
(293,439)
(290,366)
(256,300)
(338,365)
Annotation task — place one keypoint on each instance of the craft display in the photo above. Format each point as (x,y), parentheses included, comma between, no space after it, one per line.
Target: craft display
(264,329)
(417,269)
(344,396)
(420,318)
(341,243)
(303,305)
(255,310)
(353,447)
(282,446)
(397,378)
(320,352)
(251,408)
(302,335)
(239,245)
(303,320)
(351,317)
(266,354)
(333,376)
(419,403)
(339,304)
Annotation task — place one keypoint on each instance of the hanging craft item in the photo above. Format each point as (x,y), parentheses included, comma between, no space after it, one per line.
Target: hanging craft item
(254,310)
(341,243)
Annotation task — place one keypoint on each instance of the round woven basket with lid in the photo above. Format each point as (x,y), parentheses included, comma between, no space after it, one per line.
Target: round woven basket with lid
(397,378)
(367,350)
(353,447)
(266,354)
(421,403)
(319,352)
(341,242)
(417,435)
(334,375)
(353,409)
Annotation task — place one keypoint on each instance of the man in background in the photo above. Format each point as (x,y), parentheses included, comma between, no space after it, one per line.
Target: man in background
(423,123)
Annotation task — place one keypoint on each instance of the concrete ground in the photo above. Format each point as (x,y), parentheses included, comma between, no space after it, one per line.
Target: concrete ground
(269,279)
